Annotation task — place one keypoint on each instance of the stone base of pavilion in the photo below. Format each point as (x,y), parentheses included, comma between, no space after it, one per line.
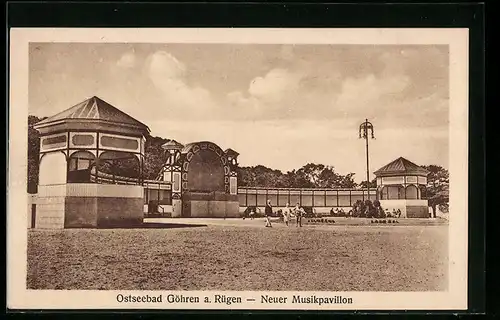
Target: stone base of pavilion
(88,205)
(210,209)
(409,208)
(213,206)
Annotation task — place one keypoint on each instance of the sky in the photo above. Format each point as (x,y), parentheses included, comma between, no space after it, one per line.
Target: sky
(281,106)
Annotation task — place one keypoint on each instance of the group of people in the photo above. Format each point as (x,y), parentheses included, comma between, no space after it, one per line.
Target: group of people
(395,213)
(337,212)
(298,211)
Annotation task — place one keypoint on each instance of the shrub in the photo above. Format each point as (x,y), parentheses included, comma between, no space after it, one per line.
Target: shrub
(368,210)
(358,209)
(378,210)
(381,212)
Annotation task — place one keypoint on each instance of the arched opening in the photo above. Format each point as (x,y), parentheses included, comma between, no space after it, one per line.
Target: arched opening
(52,169)
(117,167)
(383,193)
(79,167)
(392,192)
(411,192)
(206,172)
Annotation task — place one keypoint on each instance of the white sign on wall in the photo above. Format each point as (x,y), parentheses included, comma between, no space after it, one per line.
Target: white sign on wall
(177,182)
(232,185)
(393,180)
(411,179)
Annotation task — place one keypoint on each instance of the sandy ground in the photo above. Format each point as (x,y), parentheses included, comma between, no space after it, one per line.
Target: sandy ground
(233,254)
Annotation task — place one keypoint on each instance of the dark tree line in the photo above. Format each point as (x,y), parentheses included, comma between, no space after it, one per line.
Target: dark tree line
(309,176)
(33,154)
(438,188)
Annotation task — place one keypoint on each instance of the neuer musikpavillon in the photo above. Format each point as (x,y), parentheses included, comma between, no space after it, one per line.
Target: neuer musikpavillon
(78,187)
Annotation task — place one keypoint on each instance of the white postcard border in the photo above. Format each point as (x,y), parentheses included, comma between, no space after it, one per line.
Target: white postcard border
(18,297)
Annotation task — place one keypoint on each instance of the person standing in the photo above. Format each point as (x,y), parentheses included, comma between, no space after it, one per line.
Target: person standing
(298,214)
(286,214)
(269,212)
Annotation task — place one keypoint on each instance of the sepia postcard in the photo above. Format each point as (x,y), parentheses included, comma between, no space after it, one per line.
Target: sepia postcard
(252,169)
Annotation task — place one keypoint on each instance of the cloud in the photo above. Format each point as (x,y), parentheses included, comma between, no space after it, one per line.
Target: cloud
(168,75)
(349,83)
(385,100)
(127,60)
(369,91)
(268,96)
(275,85)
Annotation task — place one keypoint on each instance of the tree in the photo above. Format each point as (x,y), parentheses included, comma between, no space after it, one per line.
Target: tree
(322,176)
(313,172)
(261,176)
(309,176)
(347,181)
(438,188)
(296,179)
(155,157)
(33,153)
(373,184)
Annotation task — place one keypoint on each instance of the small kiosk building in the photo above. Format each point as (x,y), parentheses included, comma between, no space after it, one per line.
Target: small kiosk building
(400,185)
(90,168)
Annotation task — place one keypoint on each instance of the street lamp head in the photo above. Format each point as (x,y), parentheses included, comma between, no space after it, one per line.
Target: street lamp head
(362,130)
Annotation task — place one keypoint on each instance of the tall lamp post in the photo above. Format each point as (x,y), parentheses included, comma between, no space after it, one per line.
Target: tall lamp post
(364,129)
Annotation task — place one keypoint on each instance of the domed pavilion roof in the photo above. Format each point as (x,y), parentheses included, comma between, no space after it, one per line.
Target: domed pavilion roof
(93,110)
(230,152)
(401,166)
(172,145)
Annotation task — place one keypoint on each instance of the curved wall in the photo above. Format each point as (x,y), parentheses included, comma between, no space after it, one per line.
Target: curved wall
(52,169)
